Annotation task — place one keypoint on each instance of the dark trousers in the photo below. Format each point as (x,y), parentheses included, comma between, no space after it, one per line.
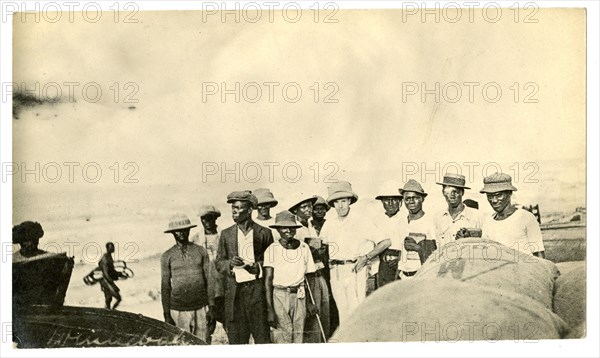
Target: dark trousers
(249,315)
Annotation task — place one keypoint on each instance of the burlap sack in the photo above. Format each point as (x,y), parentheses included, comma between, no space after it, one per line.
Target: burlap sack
(488,263)
(448,310)
(570,295)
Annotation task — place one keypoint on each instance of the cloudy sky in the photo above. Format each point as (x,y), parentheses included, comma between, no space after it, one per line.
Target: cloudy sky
(376,64)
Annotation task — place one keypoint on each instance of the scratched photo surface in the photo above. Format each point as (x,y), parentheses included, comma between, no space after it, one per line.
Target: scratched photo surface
(124,120)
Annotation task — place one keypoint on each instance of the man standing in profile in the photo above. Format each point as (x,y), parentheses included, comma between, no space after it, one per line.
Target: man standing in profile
(239,257)
(184,280)
(109,276)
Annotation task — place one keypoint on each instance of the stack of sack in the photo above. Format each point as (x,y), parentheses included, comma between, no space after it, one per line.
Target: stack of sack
(569,296)
(468,290)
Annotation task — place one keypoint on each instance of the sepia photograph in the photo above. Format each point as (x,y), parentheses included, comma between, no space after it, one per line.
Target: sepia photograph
(324,178)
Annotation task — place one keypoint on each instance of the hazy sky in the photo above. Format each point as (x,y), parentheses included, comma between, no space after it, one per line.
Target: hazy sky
(373,58)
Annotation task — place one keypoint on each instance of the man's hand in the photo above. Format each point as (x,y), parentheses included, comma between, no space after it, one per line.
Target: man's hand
(169,319)
(411,245)
(462,233)
(361,262)
(311,310)
(252,268)
(237,261)
(271,318)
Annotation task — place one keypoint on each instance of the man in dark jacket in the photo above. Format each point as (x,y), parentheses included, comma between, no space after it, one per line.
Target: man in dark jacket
(239,258)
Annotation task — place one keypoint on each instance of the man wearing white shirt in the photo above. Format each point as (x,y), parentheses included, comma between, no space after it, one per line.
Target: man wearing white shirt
(515,228)
(418,233)
(351,247)
(450,222)
(287,262)
(389,224)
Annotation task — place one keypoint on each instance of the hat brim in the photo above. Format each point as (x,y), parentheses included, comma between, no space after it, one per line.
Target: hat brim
(402,191)
(381,197)
(285,224)
(322,204)
(340,195)
(272,202)
(496,188)
(453,185)
(210,213)
(180,228)
(231,201)
(293,209)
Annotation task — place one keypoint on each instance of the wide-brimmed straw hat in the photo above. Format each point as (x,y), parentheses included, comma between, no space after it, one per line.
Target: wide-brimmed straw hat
(244,195)
(341,189)
(321,201)
(497,182)
(311,199)
(179,222)
(285,219)
(388,190)
(455,180)
(413,186)
(264,196)
(206,210)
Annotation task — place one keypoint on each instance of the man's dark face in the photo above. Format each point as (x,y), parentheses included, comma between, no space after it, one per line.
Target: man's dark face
(181,236)
(391,205)
(319,212)
(305,210)
(500,200)
(287,233)
(29,246)
(110,247)
(264,210)
(241,211)
(413,201)
(209,222)
(453,195)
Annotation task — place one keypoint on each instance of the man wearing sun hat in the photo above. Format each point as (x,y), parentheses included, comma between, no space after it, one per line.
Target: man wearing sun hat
(417,233)
(448,223)
(513,227)
(351,240)
(307,233)
(209,239)
(185,280)
(266,201)
(287,262)
(239,258)
(320,209)
(389,226)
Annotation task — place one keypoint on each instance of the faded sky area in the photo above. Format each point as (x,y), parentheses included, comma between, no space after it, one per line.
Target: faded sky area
(375,59)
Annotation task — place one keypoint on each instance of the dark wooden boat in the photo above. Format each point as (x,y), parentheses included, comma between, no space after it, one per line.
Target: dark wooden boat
(40,320)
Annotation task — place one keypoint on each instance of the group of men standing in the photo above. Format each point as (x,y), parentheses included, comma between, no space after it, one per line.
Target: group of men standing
(295,277)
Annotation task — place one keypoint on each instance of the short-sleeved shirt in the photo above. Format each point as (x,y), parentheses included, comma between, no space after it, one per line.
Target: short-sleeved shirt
(409,260)
(349,237)
(519,231)
(446,227)
(289,265)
